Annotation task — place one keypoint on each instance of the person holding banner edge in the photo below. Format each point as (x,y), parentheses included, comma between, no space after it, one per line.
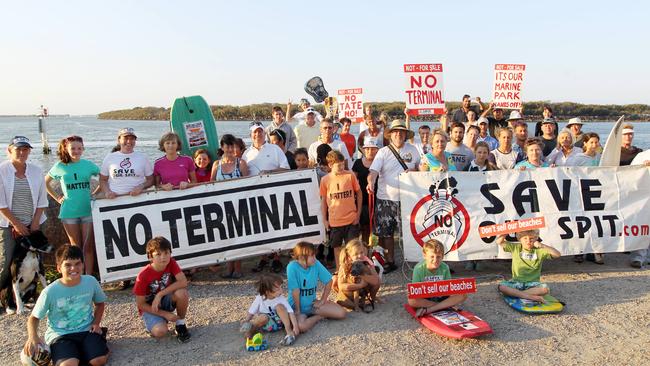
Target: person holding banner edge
(399,156)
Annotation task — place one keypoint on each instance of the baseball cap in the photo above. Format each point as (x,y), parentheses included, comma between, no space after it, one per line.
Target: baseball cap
(310,110)
(255,125)
(548,120)
(370,142)
(482,120)
(127,131)
(20,141)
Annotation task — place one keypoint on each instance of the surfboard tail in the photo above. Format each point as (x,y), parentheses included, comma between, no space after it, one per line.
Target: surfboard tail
(611,155)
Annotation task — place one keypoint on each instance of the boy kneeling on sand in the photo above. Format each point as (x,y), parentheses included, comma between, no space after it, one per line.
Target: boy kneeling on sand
(73,332)
(161,288)
(527,257)
(432,269)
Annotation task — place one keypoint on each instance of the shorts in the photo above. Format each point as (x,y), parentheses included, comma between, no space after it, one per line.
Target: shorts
(438,298)
(273,324)
(150,320)
(78,220)
(387,218)
(522,286)
(364,219)
(341,235)
(83,346)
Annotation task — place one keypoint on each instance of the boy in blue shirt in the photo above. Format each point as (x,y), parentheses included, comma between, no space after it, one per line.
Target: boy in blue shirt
(74,306)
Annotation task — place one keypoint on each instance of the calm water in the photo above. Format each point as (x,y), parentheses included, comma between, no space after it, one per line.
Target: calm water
(101,135)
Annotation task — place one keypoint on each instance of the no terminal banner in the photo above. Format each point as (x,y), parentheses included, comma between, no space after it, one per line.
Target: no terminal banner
(508,85)
(209,223)
(576,209)
(424,89)
(351,104)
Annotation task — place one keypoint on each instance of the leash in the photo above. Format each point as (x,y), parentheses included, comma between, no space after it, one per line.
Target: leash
(371,209)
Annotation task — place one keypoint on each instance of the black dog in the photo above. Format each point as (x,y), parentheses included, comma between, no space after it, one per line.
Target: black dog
(26,270)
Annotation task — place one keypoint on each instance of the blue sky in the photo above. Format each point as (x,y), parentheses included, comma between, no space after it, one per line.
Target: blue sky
(86,57)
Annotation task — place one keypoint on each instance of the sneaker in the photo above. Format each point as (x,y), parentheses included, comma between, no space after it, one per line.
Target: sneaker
(123,285)
(287,340)
(389,267)
(599,258)
(636,264)
(276,266)
(260,266)
(182,334)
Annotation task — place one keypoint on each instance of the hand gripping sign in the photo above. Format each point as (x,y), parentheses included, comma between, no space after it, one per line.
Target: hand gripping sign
(424,89)
(420,290)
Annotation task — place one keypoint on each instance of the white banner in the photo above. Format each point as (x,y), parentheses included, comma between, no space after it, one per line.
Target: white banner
(585,210)
(209,223)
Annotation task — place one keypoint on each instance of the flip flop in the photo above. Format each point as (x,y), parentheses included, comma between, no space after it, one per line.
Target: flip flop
(287,340)
(420,312)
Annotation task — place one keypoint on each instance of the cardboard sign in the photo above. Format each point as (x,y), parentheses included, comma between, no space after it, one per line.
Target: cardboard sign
(508,82)
(424,89)
(420,290)
(351,104)
(511,227)
(209,223)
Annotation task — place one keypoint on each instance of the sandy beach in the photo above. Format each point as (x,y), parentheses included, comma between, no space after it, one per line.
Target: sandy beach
(606,321)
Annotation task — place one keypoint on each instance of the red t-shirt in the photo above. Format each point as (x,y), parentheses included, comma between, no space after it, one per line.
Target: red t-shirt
(149,281)
(349,141)
(202,175)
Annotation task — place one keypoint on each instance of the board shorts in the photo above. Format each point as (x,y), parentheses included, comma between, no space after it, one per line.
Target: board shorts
(387,218)
(522,286)
(339,236)
(83,346)
(273,324)
(150,320)
(78,220)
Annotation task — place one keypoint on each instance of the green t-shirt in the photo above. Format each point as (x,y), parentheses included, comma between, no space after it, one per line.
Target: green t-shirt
(422,274)
(526,266)
(75,184)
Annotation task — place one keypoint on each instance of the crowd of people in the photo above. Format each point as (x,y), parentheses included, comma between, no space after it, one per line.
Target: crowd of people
(359,189)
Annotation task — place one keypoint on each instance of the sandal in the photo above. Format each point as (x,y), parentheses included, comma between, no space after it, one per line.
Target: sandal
(420,312)
(287,340)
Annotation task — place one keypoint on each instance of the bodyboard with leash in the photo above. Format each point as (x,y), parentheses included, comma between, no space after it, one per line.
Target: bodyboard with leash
(453,323)
(551,306)
(316,89)
(193,121)
(611,155)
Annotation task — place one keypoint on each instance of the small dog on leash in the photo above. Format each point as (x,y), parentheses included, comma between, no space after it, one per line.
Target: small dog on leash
(26,270)
(359,299)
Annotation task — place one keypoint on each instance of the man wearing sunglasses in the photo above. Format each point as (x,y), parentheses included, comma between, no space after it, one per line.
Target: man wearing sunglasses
(327,137)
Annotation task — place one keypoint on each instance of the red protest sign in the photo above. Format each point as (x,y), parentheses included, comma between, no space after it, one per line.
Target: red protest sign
(351,104)
(511,227)
(424,89)
(457,286)
(508,82)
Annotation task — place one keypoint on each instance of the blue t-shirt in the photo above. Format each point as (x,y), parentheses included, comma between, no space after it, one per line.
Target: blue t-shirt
(528,165)
(68,309)
(306,279)
(75,184)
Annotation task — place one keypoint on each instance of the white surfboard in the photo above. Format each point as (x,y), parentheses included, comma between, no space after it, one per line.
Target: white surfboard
(611,155)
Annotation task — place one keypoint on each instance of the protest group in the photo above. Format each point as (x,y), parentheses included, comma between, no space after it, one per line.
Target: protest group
(359,189)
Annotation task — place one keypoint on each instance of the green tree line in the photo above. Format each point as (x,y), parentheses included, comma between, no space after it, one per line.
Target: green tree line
(532,110)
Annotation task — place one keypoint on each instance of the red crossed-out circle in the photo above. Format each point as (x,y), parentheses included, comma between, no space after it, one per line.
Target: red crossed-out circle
(458,207)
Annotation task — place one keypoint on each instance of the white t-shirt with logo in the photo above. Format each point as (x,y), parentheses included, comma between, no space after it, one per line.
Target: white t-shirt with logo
(389,168)
(267,306)
(126,171)
(268,157)
(335,145)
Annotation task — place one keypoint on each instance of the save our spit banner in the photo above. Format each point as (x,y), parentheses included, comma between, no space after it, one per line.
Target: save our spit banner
(578,209)
(209,223)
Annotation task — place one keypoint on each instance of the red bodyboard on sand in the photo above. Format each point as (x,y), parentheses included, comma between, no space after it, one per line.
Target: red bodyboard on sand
(453,324)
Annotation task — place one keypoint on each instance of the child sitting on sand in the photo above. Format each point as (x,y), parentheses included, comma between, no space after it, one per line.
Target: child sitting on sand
(432,269)
(303,275)
(270,311)
(527,257)
(161,288)
(348,282)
